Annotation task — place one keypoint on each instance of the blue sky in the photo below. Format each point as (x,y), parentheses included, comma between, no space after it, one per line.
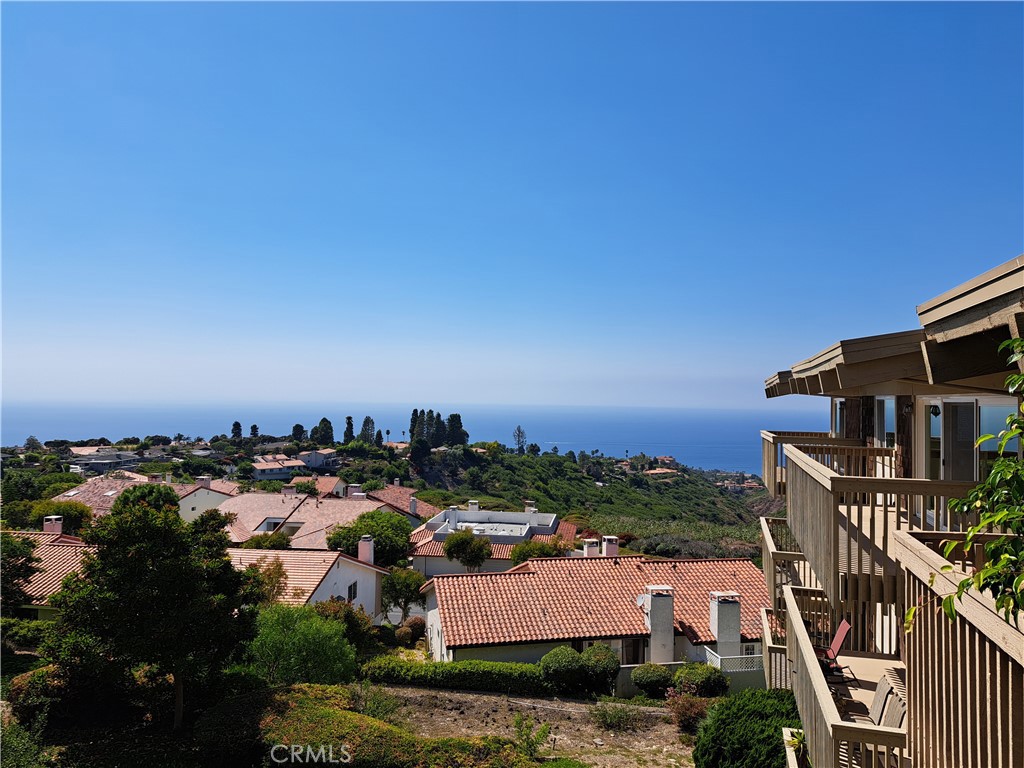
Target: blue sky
(588,204)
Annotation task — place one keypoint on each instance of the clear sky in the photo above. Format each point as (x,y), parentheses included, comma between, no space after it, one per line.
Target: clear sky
(590,204)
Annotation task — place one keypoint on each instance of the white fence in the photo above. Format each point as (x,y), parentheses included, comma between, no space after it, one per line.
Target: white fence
(735,663)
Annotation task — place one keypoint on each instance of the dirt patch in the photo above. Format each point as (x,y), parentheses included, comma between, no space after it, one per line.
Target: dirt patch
(430,712)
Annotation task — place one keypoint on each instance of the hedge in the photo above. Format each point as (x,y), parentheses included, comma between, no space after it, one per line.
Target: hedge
(745,730)
(652,679)
(701,680)
(25,634)
(473,675)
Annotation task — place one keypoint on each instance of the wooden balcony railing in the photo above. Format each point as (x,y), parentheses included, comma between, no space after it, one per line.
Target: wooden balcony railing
(965,678)
(782,561)
(773,651)
(845,524)
(853,460)
(832,742)
(773,461)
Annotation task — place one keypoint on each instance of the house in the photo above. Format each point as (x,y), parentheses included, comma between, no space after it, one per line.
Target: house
(504,530)
(404,500)
(868,516)
(662,611)
(315,576)
(59,555)
(101,463)
(326,485)
(276,469)
(312,521)
(100,493)
(196,498)
(256,513)
(322,458)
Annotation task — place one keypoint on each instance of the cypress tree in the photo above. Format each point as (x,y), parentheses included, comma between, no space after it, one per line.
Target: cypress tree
(350,430)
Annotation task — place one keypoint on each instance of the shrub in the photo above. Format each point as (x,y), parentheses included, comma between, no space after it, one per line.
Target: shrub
(24,634)
(652,679)
(687,711)
(418,626)
(701,680)
(404,636)
(21,747)
(602,668)
(473,675)
(359,629)
(529,740)
(296,644)
(617,717)
(564,669)
(373,701)
(745,730)
(385,635)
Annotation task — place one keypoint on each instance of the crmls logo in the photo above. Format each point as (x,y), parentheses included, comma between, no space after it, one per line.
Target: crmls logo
(306,753)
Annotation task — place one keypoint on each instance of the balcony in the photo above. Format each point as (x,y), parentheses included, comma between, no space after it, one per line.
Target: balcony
(773,651)
(733,664)
(851,722)
(773,461)
(845,525)
(965,677)
(783,561)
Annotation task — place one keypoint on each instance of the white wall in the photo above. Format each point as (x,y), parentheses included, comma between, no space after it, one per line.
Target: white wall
(337,581)
(193,505)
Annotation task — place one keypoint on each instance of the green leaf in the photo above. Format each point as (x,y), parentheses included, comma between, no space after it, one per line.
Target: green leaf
(949,607)
(908,621)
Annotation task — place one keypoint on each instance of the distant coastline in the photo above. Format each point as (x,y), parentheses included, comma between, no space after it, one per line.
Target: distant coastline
(709,439)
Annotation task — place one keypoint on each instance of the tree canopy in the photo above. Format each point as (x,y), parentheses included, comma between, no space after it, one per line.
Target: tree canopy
(401,589)
(17,564)
(390,534)
(468,548)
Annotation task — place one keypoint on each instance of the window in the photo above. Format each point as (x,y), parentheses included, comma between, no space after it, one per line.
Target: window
(353,590)
(193,509)
(748,650)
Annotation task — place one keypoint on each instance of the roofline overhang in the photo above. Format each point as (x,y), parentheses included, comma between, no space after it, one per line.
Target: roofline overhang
(991,299)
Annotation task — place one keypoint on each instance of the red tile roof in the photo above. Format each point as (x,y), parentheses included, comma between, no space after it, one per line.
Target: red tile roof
(552,599)
(98,493)
(324,485)
(59,555)
(251,509)
(398,497)
(305,569)
(319,517)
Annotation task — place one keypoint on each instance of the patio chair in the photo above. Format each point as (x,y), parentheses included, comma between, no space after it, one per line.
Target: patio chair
(829,657)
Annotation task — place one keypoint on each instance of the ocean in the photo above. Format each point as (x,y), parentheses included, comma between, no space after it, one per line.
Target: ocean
(710,439)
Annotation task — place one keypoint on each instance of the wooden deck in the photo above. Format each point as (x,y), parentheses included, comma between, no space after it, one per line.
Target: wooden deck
(854,697)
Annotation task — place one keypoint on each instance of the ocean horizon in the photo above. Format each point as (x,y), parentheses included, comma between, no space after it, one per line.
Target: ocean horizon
(706,438)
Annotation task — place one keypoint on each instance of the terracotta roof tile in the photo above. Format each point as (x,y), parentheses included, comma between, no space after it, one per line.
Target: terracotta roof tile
(98,493)
(324,484)
(305,570)
(564,598)
(59,555)
(319,517)
(398,497)
(251,509)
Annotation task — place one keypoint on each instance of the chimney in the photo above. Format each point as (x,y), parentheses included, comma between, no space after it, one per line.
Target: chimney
(366,548)
(590,547)
(53,524)
(657,602)
(725,622)
(397,482)
(531,506)
(288,490)
(168,478)
(203,481)
(474,505)
(412,506)
(353,489)
(359,496)
(610,546)
(155,478)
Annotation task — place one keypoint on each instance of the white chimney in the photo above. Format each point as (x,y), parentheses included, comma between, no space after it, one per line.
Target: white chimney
(474,505)
(610,546)
(657,602)
(397,482)
(203,481)
(725,622)
(590,547)
(288,490)
(53,524)
(366,548)
(359,496)
(353,489)
(167,478)
(531,506)
(412,506)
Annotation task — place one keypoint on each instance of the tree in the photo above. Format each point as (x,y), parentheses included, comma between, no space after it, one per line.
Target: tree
(17,564)
(32,444)
(390,534)
(438,432)
(366,433)
(19,485)
(245,470)
(299,433)
(275,540)
(159,591)
(519,438)
(525,550)
(387,433)
(412,422)
(468,548)
(254,431)
(350,432)
(76,514)
(307,487)
(419,451)
(456,434)
(533,449)
(401,589)
(325,432)
(378,439)
(295,644)
(236,430)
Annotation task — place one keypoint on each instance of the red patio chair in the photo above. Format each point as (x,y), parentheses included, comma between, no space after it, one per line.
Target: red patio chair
(829,657)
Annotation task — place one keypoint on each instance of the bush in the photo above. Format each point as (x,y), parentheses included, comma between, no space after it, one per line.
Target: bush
(701,680)
(602,668)
(473,675)
(24,634)
(652,679)
(688,711)
(418,626)
(359,629)
(373,701)
(617,717)
(296,644)
(564,670)
(404,636)
(21,747)
(745,730)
